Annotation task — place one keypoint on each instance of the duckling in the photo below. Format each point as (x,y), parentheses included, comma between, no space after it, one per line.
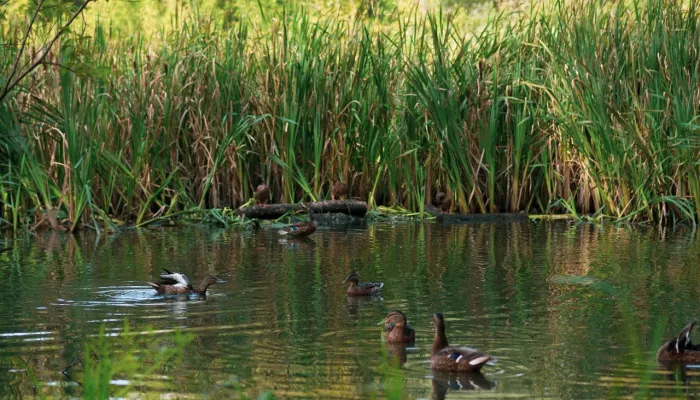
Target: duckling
(179,283)
(262,194)
(339,191)
(447,358)
(361,289)
(680,349)
(397,329)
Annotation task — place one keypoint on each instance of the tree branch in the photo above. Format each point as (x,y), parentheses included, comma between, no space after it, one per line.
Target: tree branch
(21,48)
(44,52)
(55,64)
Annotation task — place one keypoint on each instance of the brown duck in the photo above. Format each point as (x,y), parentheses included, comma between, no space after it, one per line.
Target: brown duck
(358,288)
(339,191)
(300,229)
(449,358)
(397,329)
(262,194)
(680,349)
(179,283)
(442,201)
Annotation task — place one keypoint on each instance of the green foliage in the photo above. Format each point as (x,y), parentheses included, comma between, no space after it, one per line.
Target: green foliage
(130,357)
(535,111)
(127,356)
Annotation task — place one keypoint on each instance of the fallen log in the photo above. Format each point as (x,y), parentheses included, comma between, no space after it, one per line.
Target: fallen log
(355,208)
(475,218)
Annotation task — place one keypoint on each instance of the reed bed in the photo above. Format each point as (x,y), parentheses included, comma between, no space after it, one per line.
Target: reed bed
(580,107)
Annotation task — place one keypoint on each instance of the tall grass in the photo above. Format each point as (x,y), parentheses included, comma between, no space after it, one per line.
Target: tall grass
(587,102)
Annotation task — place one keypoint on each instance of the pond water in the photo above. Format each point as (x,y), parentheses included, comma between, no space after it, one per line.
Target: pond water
(567,311)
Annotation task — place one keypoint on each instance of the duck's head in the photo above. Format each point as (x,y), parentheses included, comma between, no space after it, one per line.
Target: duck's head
(395,318)
(210,280)
(353,277)
(440,197)
(304,207)
(261,187)
(439,321)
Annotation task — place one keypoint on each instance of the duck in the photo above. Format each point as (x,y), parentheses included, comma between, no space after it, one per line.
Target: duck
(300,229)
(442,201)
(262,194)
(339,191)
(680,349)
(397,329)
(361,289)
(179,283)
(450,358)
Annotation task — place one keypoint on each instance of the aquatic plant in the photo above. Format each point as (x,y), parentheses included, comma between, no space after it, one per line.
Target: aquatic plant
(129,358)
(533,109)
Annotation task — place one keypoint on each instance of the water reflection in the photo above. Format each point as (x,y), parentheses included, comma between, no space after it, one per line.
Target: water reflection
(446,381)
(282,322)
(397,353)
(357,303)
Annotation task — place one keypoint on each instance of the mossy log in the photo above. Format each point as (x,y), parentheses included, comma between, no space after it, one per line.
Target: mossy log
(475,218)
(355,208)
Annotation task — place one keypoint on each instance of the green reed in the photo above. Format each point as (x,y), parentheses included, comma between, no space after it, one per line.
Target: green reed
(133,357)
(593,104)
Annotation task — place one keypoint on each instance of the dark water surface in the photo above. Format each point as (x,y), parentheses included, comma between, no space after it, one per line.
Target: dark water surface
(567,311)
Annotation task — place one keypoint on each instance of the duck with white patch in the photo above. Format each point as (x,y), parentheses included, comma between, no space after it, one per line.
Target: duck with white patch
(680,349)
(300,229)
(450,358)
(358,288)
(179,283)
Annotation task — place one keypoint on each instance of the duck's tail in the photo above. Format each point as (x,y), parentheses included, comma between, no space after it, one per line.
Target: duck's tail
(282,232)
(479,361)
(683,342)
(153,285)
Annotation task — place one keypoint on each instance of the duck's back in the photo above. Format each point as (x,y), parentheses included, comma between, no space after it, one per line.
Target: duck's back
(365,288)
(459,359)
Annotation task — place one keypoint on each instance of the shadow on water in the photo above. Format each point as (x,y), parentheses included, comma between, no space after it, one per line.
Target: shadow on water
(568,311)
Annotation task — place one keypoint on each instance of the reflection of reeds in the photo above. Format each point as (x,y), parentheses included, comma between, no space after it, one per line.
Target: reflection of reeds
(596,110)
(136,359)
(285,305)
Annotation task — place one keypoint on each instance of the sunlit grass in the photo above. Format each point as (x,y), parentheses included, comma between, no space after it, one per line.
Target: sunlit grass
(579,104)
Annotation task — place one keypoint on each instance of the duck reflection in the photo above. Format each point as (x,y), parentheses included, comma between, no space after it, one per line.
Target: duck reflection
(397,353)
(445,381)
(356,303)
(680,372)
(298,243)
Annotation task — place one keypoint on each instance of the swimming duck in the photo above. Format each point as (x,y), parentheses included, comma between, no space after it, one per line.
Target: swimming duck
(339,191)
(262,194)
(442,201)
(179,283)
(300,229)
(448,358)
(680,349)
(361,289)
(397,329)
